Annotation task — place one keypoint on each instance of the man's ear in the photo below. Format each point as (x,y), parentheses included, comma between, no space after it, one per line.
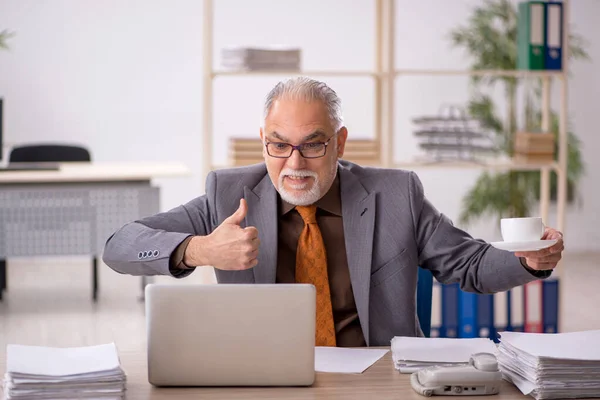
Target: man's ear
(262,139)
(341,141)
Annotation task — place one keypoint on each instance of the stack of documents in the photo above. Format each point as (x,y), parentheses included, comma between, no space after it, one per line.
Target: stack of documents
(34,372)
(552,366)
(261,59)
(413,353)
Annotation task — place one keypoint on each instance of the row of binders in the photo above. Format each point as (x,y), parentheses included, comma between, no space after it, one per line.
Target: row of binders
(529,308)
(540,35)
(49,373)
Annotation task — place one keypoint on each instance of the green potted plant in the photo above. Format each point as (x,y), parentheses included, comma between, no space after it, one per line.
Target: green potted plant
(490,38)
(4,36)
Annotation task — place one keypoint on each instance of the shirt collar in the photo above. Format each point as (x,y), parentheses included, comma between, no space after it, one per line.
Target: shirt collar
(331,202)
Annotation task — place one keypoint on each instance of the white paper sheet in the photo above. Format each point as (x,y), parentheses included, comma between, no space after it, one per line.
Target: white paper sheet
(439,350)
(346,360)
(522,384)
(566,346)
(52,361)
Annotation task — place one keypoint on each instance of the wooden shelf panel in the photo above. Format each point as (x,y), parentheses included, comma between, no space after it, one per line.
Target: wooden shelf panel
(398,72)
(481,72)
(293,72)
(490,165)
(246,151)
(421,164)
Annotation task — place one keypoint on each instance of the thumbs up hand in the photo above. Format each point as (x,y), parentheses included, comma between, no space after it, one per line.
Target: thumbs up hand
(229,247)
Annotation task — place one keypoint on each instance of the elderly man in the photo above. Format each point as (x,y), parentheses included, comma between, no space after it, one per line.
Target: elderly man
(358,234)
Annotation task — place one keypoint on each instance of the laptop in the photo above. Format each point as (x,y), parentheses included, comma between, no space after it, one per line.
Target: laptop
(231,334)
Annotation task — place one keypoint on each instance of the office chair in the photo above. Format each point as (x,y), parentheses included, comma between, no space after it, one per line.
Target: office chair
(424,293)
(50,153)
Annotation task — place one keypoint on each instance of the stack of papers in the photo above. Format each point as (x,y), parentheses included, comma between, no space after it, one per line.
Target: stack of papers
(261,59)
(34,372)
(413,353)
(552,366)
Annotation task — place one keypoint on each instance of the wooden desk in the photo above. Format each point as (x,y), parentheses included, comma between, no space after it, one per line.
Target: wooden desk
(97,172)
(381,381)
(73,210)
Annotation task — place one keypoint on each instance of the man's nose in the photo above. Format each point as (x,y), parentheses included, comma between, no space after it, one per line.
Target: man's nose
(296,161)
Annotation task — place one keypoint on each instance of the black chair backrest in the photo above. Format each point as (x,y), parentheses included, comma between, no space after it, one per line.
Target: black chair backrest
(49,153)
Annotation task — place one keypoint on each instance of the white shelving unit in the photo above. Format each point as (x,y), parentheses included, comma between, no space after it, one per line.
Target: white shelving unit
(385,75)
(381,74)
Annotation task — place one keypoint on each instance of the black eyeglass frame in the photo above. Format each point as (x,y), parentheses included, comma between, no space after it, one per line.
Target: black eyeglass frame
(299,148)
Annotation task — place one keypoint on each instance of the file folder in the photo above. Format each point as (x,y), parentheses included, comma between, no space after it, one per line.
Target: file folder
(554,36)
(436,310)
(500,311)
(530,35)
(514,310)
(476,315)
(533,307)
(467,315)
(550,305)
(485,316)
(517,306)
(450,293)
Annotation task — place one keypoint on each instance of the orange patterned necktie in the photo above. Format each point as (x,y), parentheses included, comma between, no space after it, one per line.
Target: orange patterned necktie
(311,267)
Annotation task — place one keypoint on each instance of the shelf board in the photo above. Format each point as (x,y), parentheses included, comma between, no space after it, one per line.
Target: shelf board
(398,72)
(293,72)
(489,165)
(495,166)
(479,72)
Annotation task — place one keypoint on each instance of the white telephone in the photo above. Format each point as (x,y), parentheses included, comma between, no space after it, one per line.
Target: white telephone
(480,377)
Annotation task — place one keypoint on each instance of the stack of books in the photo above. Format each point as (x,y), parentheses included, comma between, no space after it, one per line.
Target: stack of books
(35,372)
(552,366)
(247,151)
(261,59)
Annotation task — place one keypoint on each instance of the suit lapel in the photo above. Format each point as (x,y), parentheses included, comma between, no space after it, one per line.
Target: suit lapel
(358,213)
(262,214)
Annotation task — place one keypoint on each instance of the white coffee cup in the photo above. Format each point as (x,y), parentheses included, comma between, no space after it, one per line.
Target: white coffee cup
(522,229)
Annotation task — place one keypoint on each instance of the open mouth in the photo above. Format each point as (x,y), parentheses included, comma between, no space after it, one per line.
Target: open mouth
(297,182)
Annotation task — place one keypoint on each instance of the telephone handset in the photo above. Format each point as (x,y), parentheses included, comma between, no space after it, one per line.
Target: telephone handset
(480,376)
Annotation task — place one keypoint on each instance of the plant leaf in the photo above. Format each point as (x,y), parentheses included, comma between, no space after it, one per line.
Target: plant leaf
(499,195)
(4,36)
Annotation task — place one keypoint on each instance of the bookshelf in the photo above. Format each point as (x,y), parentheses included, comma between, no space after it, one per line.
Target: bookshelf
(357,150)
(384,76)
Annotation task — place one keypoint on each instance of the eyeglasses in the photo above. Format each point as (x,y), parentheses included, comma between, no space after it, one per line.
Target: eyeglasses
(306,150)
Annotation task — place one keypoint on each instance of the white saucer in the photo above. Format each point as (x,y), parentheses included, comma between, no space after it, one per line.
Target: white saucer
(524,246)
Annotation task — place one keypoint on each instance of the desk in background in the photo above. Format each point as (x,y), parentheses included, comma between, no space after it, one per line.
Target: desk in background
(381,381)
(73,210)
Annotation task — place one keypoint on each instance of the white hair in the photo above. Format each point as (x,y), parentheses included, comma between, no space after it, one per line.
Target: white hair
(308,196)
(307,89)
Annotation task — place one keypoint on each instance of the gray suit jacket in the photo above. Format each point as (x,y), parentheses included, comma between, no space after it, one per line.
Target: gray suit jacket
(390,229)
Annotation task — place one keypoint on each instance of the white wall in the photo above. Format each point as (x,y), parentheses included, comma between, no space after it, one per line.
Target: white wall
(125,79)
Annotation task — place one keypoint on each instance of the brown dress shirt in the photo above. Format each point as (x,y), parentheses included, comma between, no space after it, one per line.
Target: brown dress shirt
(329,218)
(290,225)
